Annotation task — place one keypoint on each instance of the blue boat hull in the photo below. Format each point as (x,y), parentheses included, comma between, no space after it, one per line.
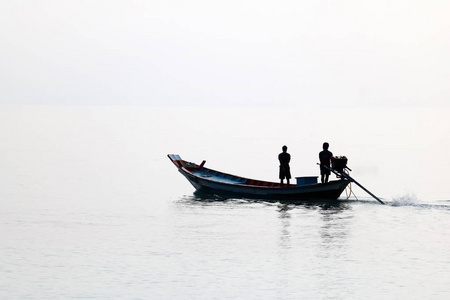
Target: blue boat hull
(209,181)
(328,191)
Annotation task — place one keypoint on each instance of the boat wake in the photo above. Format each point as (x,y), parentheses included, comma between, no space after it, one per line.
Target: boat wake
(412,200)
(405,200)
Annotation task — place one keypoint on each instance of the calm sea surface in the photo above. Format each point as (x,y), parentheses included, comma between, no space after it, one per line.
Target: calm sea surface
(91,207)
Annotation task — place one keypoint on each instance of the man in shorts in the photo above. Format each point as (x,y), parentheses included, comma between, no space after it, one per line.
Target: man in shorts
(285,170)
(325,161)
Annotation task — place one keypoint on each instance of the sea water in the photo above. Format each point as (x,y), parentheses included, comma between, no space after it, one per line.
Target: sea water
(93,208)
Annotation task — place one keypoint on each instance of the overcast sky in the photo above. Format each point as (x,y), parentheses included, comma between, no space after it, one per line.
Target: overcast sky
(243,53)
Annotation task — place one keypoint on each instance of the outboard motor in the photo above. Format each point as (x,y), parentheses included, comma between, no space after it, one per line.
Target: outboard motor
(339,163)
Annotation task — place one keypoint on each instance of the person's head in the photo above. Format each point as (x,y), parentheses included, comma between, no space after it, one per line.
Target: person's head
(325,146)
(284,148)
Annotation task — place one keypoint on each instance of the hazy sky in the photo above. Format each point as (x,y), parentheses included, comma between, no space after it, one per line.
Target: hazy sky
(230,52)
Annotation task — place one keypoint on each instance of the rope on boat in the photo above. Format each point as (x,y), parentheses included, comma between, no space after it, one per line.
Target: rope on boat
(350,192)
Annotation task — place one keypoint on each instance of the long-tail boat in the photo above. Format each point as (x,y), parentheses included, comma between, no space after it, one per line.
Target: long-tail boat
(210,181)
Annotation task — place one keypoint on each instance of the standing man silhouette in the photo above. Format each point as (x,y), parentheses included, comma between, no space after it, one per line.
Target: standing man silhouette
(285,170)
(325,161)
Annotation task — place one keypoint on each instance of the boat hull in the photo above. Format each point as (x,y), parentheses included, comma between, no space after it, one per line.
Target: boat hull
(239,187)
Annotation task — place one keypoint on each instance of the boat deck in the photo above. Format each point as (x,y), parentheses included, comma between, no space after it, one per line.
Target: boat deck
(218,176)
(232,179)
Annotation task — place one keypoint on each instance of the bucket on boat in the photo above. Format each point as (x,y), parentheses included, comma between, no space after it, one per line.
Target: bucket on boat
(306,180)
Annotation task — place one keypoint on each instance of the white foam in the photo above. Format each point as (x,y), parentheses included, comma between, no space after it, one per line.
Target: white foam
(405,200)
